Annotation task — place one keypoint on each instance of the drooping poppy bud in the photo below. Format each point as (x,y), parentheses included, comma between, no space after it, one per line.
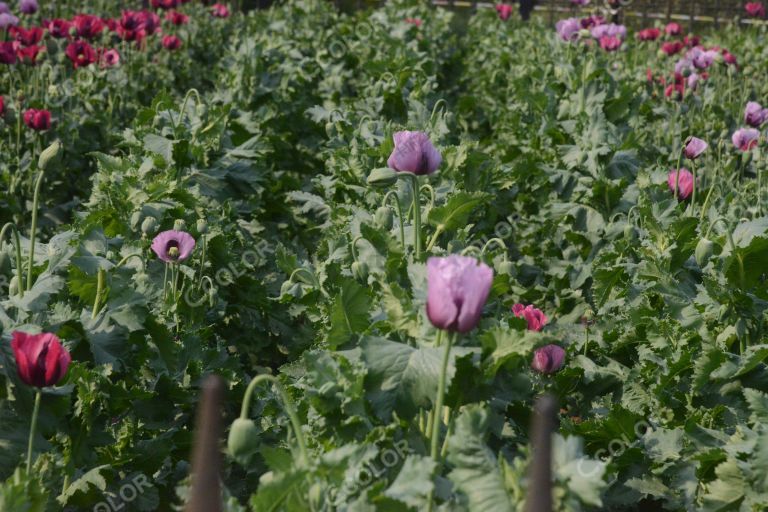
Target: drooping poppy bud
(694,148)
(41,360)
(548,359)
(243,440)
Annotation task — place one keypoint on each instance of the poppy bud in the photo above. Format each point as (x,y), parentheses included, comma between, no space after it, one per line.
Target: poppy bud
(202,226)
(50,155)
(136,219)
(13,286)
(384,217)
(703,251)
(179,225)
(149,226)
(548,359)
(382,177)
(243,440)
(360,270)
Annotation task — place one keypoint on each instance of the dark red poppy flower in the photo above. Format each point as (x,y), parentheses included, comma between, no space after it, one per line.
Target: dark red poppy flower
(176,18)
(28,54)
(81,53)
(171,42)
(27,37)
(88,26)
(58,28)
(7,53)
(41,360)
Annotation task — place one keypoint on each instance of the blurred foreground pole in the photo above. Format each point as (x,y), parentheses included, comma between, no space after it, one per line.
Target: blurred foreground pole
(540,477)
(205,495)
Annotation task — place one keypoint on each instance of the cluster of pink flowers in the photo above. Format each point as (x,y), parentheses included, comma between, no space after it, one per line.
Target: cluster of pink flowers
(755,9)
(609,36)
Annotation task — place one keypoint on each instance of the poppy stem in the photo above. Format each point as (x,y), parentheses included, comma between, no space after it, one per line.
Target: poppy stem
(677,173)
(693,191)
(435,438)
(287,406)
(33,230)
(99,290)
(165,282)
(416,215)
(33,429)
(202,262)
(17,243)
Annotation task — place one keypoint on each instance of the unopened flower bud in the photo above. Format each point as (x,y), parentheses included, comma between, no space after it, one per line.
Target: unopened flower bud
(179,225)
(243,440)
(382,177)
(149,226)
(50,155)
(202,226)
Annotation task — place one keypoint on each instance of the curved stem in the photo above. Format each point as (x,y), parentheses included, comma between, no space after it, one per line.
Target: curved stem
(498,241)
(433,239)
(431,191)
(125,260)
(287,405)
(17,243)
(33,232)
(438,103)
(184,106)
(33,429)
(354,247)
(399,214)
(470,248)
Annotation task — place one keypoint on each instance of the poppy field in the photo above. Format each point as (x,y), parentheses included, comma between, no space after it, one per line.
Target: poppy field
(388,232)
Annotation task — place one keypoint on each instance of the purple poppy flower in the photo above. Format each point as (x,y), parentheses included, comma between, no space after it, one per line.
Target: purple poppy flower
(457,288)
(684,183)
(695,146)
(745,138)
(173,246)
(28,6)
(4,9)
(568,29)
(414,153)
(609,30)
(755,114)
(548,359)
(8,20)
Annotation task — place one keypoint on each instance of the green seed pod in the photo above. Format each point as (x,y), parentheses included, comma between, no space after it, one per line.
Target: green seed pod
(630,233)
(722,312)
(149,226)
(179,225)
(243,440)
(384,217)
(506,267)
(136,219)
(202,226)
(50,155)
(360,270)
(704,250)
(382,177)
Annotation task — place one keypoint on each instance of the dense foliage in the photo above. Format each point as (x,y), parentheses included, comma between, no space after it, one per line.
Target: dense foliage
(256,133)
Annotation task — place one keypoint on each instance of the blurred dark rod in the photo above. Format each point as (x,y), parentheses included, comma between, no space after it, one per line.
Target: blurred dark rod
(539,497)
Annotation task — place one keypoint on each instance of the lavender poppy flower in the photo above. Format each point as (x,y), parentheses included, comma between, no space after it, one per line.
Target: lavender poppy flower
(28,6)
(548,359)
(695,146)
(568,29)
(457,288)
(4,9)
(609,30)
(173,246)
(414,153)
(745,138)
(755,114)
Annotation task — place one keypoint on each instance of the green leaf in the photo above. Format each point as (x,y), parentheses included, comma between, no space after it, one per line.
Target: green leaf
(414,483)
(160,145)
(349,313)
(455,213)
(475,468)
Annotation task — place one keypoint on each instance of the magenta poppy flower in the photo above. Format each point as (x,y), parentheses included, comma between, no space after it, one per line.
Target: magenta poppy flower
(165,4)
(59,28)
(80,53)
(591,21)
(87,26)
(110,58)
(649,34)
(26,37)
(580,3)
(457,288)
(673,29)
(568,29)
(173,246)
(504,11)
(755,9)
(548,359)
(684,183)
(745,138)
(4,8)
(171,42)
(610,43)
(7,52)
(41,360)
(534,316)
(219,11)
(176,18)
(414,153)
(38,120)
(695,146)
(28,54)
(755,114)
